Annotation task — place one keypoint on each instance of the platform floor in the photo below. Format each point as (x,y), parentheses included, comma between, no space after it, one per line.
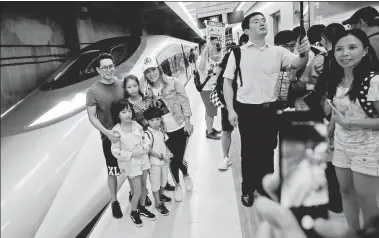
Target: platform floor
(211,209)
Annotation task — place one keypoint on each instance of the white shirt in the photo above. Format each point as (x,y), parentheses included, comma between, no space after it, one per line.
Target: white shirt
(159,145)
(260,68)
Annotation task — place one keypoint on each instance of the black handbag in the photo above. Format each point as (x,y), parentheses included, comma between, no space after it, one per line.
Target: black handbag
(196,78)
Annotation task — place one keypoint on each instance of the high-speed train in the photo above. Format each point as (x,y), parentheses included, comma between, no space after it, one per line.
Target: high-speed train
(53,172)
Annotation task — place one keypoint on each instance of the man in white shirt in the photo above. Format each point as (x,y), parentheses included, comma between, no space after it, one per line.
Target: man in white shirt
(254,110)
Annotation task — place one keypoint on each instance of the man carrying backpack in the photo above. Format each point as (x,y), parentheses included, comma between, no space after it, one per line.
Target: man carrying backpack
(255,111)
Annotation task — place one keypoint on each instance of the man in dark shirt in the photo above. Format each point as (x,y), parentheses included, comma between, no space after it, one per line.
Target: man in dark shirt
(99,101)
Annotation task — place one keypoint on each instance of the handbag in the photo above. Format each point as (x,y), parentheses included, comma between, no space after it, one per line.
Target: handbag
(196,76)
(215,99)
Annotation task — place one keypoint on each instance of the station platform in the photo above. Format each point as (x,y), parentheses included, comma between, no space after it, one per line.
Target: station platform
(212,209)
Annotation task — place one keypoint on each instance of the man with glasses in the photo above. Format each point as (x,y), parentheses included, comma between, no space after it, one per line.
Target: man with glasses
(286,39)
(255,110)
(99,100)
(366,19)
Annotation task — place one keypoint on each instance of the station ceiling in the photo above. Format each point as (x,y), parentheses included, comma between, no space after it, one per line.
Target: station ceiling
(156,17)
(201,9)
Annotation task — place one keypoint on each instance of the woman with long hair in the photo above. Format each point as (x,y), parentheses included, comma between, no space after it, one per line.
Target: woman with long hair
(353,73)
(170,96)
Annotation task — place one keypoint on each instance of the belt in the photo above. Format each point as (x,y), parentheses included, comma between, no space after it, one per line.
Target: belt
(262,105)
(267,104)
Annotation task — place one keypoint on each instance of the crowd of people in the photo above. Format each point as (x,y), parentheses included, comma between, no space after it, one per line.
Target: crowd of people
(145,123)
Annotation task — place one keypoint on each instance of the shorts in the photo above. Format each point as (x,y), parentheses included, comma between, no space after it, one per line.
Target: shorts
(158,176)
(110,160)
(210,108)
(226,126)
(364,163)
(135,167)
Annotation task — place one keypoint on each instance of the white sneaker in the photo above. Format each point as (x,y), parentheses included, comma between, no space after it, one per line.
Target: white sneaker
(225,163)
(178,194)
(188,182)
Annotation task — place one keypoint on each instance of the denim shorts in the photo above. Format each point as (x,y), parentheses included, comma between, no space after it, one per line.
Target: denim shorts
(359,161)
(134,167)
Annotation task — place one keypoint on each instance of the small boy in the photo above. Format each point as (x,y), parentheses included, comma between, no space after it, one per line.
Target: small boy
(159,158)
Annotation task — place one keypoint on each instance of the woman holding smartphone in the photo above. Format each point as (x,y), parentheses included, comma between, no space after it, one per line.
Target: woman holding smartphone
(356,135)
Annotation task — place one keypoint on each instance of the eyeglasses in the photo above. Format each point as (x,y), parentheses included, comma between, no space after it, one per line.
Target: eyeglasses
(107,68)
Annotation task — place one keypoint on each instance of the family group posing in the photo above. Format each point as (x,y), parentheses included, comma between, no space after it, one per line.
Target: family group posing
(144,127)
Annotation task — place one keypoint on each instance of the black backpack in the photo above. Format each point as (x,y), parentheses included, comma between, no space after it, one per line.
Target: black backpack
(314,98)
(220,80)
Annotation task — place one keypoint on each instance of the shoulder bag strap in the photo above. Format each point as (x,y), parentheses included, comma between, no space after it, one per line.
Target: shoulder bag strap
(367,106)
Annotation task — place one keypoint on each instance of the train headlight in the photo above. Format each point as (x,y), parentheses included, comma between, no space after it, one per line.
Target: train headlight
(62,108)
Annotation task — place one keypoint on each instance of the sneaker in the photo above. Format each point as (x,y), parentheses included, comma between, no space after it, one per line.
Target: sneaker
(161,208)
(214,131)
(146,213)
(116,210)
(225,163)
(213,135)
(165,199)
(148,201)
(169,187)
(188,182)
(134,215)
(178,194)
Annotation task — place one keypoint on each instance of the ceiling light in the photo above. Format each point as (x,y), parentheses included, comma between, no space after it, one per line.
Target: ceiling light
(181,4)
(240,6)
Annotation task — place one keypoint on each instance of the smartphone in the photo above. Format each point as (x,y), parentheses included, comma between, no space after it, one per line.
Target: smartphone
(331,104)
(303,150)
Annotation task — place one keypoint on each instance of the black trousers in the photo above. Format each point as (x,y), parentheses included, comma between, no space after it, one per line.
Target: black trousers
(177,143)
(258,129)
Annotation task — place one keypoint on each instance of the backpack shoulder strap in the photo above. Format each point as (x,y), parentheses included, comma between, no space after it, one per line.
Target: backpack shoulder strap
(237,56)
(367,106)
(151,136)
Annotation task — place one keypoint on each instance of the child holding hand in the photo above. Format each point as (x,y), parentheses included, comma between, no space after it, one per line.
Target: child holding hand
(159,158)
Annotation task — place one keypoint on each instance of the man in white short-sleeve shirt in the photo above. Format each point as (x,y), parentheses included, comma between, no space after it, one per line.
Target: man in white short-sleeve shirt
(254,110)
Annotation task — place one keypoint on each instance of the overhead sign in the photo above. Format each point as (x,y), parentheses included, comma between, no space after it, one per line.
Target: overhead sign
(215,33)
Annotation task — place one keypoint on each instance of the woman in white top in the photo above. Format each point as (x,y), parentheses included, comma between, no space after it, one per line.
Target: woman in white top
(169,95)
(356,136)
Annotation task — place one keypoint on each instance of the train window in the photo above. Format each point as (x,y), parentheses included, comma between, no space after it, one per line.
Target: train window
(119,53)
(76,72)
(83,67)
(166,67)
